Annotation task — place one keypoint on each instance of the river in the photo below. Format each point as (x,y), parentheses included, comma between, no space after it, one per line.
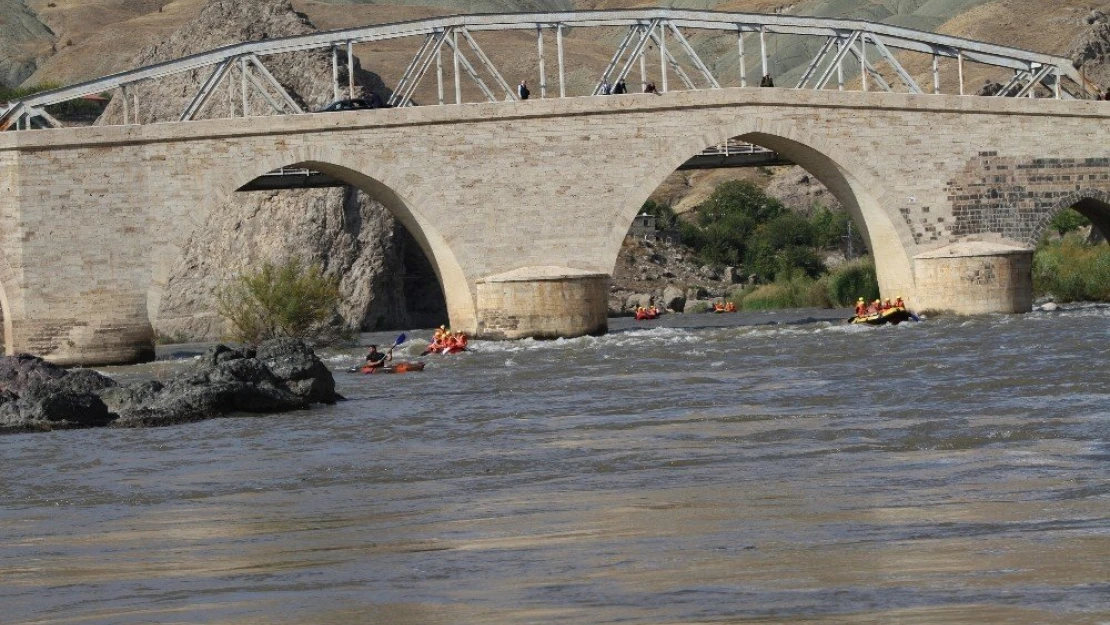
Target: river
(700,469)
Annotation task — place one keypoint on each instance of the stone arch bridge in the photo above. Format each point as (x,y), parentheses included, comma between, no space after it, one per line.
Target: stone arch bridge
(522,206)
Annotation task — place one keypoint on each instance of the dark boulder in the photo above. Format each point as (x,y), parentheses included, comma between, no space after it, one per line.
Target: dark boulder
(50,404)
(119,398)
(216,355)
(244,371)
(224,381)
(172,404)
(19,371)
(86,381)
(253,386)
(300,369)
(38,396)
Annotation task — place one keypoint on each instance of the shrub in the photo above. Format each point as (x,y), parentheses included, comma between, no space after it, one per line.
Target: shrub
(1071,270)
(1068,220)
(786,230)
(742,199)
(800,291)
(293,299)
(831,230)
(665,217)
(852,281)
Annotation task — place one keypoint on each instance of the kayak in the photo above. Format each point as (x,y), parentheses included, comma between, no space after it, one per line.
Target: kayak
(893,316)
(646,316)
(397,367)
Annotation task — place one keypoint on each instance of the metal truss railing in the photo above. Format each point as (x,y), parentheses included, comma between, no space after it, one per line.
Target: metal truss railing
(846,47)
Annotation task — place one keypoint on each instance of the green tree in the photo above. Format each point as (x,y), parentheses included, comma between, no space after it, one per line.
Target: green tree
(854,280)
(738,198)
(783,248)
(724,223)
(1068,220)
(665,217)
(291,299)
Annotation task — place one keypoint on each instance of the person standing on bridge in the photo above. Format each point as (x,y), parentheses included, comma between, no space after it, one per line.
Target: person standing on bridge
(620,88)
(522,90)
(650,88)
(767,81)
(606,88)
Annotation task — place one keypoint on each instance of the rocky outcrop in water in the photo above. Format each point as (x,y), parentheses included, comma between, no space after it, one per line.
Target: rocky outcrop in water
(281,376)
(344,230)
(38,396)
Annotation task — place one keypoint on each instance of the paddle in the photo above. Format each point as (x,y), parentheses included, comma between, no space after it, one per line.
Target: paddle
(401,338)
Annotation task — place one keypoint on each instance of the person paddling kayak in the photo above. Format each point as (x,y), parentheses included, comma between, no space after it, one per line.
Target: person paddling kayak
(376,359)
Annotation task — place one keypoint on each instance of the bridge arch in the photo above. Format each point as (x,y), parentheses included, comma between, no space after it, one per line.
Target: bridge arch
(1094,204)
(858,191)
(358,172)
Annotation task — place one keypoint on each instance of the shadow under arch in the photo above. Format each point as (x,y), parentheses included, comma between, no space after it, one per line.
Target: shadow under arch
(460,301)
(887,238)
(1091,203)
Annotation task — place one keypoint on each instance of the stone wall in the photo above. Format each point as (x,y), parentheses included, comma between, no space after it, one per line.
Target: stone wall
(1017,198)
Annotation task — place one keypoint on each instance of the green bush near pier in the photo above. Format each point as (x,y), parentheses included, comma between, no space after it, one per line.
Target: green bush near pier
(1072,270)
(837,289)
(288,300)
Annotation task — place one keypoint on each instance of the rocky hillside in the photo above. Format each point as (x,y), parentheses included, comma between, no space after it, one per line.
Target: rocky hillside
(24,42)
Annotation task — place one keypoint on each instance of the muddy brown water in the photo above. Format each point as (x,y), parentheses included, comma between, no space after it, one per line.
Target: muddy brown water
(698,469)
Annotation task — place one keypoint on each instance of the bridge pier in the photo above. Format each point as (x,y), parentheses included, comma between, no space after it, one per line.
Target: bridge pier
(974,278)
(542,303)
(101,339)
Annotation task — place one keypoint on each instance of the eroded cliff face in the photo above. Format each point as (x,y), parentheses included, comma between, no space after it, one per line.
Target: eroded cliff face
(344,230)
(1091,50)
(24,42)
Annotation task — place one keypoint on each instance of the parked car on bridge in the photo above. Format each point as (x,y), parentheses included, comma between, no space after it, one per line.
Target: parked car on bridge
(355,104)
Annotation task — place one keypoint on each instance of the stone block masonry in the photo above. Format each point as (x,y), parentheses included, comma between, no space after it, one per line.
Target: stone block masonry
(522,207)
